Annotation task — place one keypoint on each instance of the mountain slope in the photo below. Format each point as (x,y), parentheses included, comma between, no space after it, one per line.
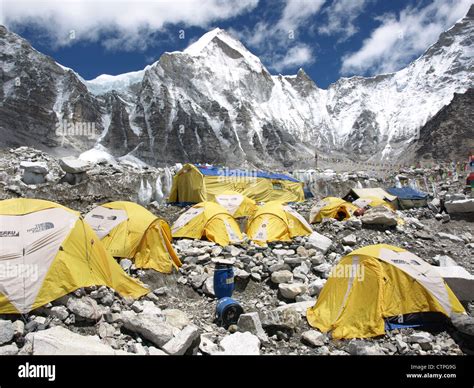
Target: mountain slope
(37,94)
(436,137)
(216,102)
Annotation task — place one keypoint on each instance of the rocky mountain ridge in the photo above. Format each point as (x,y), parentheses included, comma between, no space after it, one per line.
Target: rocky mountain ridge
(216,102)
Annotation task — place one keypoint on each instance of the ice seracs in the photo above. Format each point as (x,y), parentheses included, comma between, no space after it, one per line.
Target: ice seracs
(105,83)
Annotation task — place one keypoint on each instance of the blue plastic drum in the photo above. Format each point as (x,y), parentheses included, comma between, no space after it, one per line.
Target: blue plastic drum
(228,312)
(223,281)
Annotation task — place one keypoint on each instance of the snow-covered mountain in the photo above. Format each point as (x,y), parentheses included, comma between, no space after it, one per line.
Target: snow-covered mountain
(215,102)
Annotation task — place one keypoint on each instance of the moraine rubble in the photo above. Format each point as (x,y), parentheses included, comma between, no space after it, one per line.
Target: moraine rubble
(274,284)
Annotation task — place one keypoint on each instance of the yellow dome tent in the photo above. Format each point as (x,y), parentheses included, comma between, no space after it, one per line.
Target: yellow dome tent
(195,183)
(130,231)
(331,207)
(372,202)
(276,221)
(378,282)
(208,220)
(238,205)
(48,251)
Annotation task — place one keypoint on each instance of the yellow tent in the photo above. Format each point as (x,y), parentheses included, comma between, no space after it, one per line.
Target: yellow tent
(378,282)
(131,231)
(208,220)
(331,207)
(276,221)
(372,202)
(48,251)
(236,204)
(193,184)
(371,192)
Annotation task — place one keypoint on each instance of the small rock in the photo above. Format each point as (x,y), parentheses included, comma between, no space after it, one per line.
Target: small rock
(450,237)
(313,338)
(106,330)
(234,251)
(149,326)
(107,299)
(19,328)
(241,274)
(422,338)
(60,341)
(233,329)
(281,277)
(207,346)
(278,267)
(319,242)
(162,291)
(181,343)
(463,323)
(282,253)
(302,251)
(350,240)
(290,291)
(245,344)
(85,308)
(73,165)
(251,322)
(7,331)
(9,350)
(361,348)
(59,312)
(380,216)
(323,269)
(256,276)
(316,286)
(208,286)
(176,318)
(126,264)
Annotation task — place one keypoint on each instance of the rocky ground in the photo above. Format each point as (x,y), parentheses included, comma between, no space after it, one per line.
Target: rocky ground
(275,285)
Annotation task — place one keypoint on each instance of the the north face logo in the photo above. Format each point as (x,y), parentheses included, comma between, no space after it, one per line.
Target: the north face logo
(41,227)
(9,233)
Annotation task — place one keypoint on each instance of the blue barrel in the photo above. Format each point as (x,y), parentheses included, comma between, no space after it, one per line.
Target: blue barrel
(228,312)
(223,281)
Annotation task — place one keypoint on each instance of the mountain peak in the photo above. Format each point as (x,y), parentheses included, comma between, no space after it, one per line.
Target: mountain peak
(197,47)
(223,39)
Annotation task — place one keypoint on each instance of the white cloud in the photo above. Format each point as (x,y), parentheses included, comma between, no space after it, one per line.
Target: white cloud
(399,39)
(296,56)
(297,12)
(278,42)
(341,17)
(117,23)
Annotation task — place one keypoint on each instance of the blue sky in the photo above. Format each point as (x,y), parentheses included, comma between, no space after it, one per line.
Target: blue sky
(328,38)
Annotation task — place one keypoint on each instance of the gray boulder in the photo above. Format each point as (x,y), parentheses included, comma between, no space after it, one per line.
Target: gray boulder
(291,291)
(7,331)
(73,165)
(60,341)
(319,242)
(313,338)
(149,326)
(251,322)
(85,308)
(182,342)
(283,276)
(379,216)
(240,344)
